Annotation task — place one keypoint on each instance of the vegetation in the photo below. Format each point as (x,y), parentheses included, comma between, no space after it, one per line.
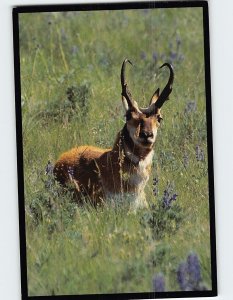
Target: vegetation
(70,69)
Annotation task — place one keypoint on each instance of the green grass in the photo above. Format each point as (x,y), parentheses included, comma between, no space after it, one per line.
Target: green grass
(80,250)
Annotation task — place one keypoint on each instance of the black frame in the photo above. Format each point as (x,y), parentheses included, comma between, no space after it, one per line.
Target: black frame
(22,231)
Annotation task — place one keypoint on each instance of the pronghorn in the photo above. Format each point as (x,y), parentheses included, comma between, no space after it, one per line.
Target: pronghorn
(102,173)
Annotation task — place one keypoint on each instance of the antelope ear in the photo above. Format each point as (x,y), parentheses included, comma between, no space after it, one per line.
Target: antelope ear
(125,103)
(136,106)
(154,97)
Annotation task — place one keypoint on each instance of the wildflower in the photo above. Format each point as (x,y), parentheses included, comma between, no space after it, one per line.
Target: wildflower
(155,186)
(189,274)
(186,160)
(158,283)
(182,277)
(194,270)
(49,168)
(49,172)
(199,153)
(190,107)
(168,196)
(173,55)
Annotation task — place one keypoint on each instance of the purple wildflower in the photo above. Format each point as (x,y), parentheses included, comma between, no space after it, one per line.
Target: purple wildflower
(155,186)
(189,274)
(182,276)
(194,269)
(49,168)
(173,197)
(49,172)
(199,153)
(186,160)
(190,107)
(168,196)
(159,283)
(173,55)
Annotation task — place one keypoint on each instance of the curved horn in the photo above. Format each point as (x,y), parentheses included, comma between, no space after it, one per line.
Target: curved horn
(164,94)
(125,90)
(168,88)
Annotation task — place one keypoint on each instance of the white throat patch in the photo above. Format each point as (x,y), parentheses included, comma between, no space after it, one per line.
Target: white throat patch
(134,158)
(143,163)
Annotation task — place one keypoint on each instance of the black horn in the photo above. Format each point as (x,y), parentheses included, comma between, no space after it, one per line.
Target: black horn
(125,90)
(168,88)
(164,96)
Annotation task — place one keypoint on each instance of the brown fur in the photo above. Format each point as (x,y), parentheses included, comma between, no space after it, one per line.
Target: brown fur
(97,172)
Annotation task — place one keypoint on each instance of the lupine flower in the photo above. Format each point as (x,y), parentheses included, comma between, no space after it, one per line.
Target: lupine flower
(199,153)
(159,283)
(190,107)
(182,277)
(189,274)
(168,196)
(186,160)
(49,172)
(173,55)
(49,168)
(194,270)
(155,186)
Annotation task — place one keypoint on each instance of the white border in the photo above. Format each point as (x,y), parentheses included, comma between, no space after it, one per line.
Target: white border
(221,41)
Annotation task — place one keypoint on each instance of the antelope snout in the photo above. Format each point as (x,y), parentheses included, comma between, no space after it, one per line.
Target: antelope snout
(146,134)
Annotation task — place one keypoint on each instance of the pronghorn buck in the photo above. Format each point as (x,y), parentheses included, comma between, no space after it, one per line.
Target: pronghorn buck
(99,173)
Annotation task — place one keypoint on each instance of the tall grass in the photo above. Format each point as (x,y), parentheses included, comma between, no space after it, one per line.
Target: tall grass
(70,65)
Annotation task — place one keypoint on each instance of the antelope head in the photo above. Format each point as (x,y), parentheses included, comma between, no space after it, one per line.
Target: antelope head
(143,123)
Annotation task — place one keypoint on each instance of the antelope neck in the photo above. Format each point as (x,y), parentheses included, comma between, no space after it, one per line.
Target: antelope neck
(132,151)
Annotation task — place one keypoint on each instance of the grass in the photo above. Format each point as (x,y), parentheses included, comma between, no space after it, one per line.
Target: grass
(70,68)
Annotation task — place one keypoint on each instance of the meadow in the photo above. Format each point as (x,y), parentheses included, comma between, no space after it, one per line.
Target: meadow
(71,96)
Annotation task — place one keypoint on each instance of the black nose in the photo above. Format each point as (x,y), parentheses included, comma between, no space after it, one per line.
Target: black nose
(145,134)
